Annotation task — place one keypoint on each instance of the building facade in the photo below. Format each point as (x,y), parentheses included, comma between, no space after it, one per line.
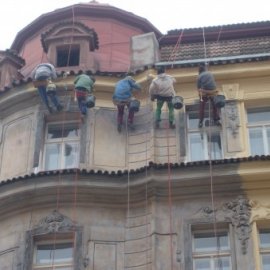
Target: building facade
(84,196)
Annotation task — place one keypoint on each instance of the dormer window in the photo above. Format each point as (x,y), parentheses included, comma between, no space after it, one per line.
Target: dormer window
(68,55)
(71,44)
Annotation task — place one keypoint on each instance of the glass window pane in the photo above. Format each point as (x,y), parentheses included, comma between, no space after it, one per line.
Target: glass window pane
(71,155)
(67,130)
(266,262)
(54,254)
(193,119)
(210,243)
(216,152)
(268,140)
(223,263)
(52,154)
(202,264)
(257,115)
(264,239)
(196,147)
(256,141)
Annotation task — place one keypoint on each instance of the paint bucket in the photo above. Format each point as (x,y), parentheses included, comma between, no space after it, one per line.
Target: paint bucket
(134,105)
(219,101)
(177,102)
(90,101)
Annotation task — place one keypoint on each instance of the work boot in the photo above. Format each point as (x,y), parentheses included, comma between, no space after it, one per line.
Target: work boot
(119,127)
(200,125)
(50,109)
(172,125)
(131,126)
(217,123)
(59,107)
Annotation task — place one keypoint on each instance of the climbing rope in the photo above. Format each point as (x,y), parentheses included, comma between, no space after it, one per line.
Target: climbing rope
(209,139)
(76,176)
(169,178)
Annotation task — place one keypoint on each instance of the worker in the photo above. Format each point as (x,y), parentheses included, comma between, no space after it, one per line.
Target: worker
(122,97)
(206,86)
(51,93)
(83,87)
(42,75)
(162,89)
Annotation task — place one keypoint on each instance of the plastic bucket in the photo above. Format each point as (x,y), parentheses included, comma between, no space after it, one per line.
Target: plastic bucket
(177,102)
(219,101)
(90,101)
(134,105)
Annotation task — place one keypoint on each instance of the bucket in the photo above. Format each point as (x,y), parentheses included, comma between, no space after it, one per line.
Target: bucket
(177,102)
(134,105)
(219,101)
(90,101)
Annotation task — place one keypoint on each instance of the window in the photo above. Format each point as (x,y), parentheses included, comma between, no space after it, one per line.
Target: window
(211,251)
(61,146)
(53,256)
(264,242)
(259,131)
(204,141)
(68,56)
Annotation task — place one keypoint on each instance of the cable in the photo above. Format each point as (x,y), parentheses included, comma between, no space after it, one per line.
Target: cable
(61,162)
(210,164)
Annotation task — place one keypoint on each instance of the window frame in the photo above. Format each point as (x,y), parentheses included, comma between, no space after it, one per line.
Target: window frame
(37,242)
(62,141)
(200,225)
(204,133)
(211,255)
(262,126)
(262,250)
(54,227)
(71,50)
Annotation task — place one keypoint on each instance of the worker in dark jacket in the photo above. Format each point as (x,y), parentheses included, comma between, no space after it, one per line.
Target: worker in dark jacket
(83,87)
(206,86)
(42,75)
(122,97)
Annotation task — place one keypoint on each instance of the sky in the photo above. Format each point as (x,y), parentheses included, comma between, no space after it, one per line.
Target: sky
(165,15)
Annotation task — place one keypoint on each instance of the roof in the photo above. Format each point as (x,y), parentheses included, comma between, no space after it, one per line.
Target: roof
(13,56)
(220,44)
(94,44)
(90,9)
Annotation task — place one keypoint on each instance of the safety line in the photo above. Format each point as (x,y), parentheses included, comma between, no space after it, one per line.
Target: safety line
(128,182)
(171,58)
(61,161)
(173,53)
(209,138)
(169,196)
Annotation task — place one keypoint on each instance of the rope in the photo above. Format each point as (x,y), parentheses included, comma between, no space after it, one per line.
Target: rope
(169,196)
(211,168)
(146,184)
(171,58)
(173,54)
(204,46)
(128,183)
(61,157)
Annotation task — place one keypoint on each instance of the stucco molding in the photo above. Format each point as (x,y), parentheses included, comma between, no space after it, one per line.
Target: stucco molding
(237,212)
(68,31)
(49,226)
(232,117)
(54,223)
